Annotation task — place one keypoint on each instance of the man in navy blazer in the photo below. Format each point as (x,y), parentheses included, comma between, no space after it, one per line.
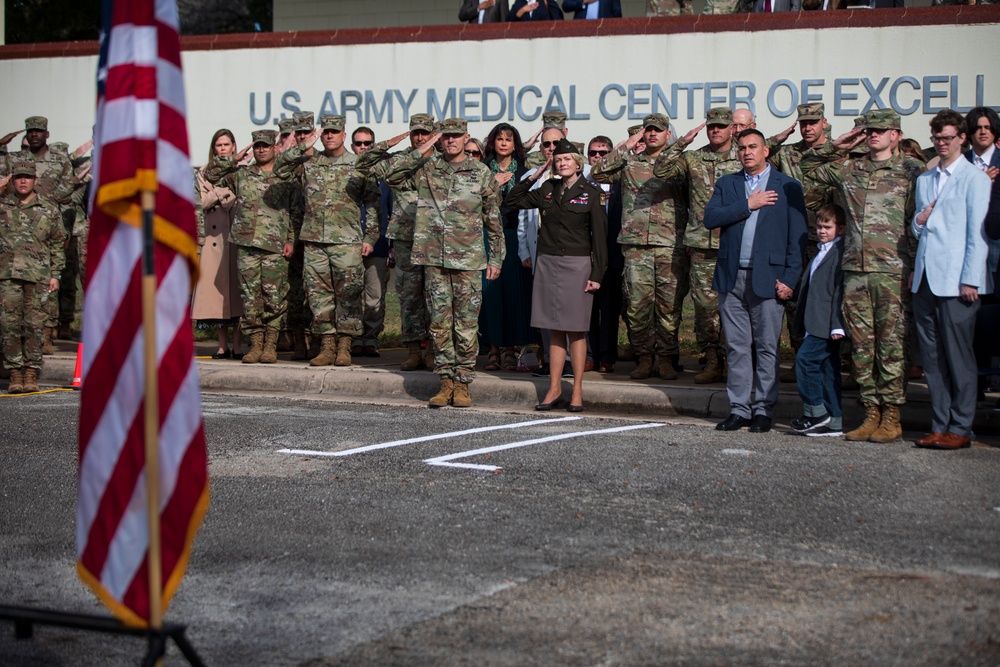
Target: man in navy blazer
(593,9)
(949,276)
(762,217)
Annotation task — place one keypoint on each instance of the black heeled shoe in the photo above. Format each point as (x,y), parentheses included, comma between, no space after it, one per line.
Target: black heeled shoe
(228,354)
(545,407)
(574,408)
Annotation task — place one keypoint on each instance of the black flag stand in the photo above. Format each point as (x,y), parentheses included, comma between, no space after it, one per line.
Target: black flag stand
(25,618)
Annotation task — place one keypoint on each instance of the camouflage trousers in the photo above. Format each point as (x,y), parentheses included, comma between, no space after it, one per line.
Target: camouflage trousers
(24,308)
(655,284)
(413,315)
(454,298)
(707,329)
(333,276)
(727,6)
(876,319)
(297,313)
(669,7)
(264,288)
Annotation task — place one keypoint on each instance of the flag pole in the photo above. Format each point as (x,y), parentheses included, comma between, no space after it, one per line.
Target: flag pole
(152,414)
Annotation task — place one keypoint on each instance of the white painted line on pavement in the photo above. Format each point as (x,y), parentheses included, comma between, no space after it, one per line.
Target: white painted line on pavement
(444,461)
(425,438)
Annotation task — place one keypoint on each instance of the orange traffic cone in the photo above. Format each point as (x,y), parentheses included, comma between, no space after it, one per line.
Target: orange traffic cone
(78,370)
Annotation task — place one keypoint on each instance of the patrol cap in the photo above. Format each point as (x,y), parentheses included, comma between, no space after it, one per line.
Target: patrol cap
(23,168)
(36,123)
(265,137)
(286,125)
(859,122)
(657,120)
(303,121)
(566,147)
(882,119)
(422,121)
(635,129)
(719,116)
(331,122)
(554,119)
(811,111)
(453,126)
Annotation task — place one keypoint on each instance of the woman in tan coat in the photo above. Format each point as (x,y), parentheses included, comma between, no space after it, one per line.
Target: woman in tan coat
(217,302)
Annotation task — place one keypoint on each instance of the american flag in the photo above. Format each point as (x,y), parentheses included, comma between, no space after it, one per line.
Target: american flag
(140,143)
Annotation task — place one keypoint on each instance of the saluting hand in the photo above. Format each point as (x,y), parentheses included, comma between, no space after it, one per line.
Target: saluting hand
(82,174)
(850,139)
(399,137)
(782,137)
(689,137)
(83,149)
(428,147)
(242,155)
(530,143)
(540,173)
(6,139)
(4,181)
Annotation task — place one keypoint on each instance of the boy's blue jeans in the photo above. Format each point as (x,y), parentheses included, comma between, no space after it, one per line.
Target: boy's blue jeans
(817,370)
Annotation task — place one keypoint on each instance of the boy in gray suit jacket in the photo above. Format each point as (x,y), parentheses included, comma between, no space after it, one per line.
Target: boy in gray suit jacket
(819,315)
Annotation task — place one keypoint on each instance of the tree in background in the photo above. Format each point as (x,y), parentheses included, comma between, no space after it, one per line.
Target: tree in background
(31,21)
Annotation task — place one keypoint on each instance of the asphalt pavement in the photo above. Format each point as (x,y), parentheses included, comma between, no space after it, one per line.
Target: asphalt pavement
(349,534)
(379,379)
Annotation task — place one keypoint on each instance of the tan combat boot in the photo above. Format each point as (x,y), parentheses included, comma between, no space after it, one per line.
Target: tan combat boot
(30,380)
(889,428)
(16,385)
(256,348)
(343,357)
(47,348)
(413,359)
(644,369)
(443,397)
(665,368)
(300,352)
(460,398)
(713,368)
(327,351)
(871,423)
(270,354)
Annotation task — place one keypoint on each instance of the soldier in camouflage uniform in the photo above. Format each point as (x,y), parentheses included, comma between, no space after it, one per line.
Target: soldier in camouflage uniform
(31,259)
(654,216)
(457,201)
(55,184)
(264,236)
(669,7)
(878,261)
(298,316)
(701,169)
(331,234)
(377,162)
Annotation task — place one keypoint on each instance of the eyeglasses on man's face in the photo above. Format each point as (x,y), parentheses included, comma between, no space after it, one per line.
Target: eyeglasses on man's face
(597,153)
(943,138)
(364,143)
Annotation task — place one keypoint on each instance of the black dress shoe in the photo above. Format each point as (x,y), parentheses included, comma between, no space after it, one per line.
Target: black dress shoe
(760,424)
(545,407)
(228,354)
(732,423)
(574,408)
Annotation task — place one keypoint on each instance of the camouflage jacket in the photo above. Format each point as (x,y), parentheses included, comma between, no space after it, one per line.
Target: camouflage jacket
(334,192)
(377,162)
(879,200)
(654,210)
(701,169)
(456,203)
(56,181)
(32,240)
(269,209)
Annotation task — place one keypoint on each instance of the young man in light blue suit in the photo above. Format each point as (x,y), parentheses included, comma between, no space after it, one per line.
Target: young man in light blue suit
(949,276)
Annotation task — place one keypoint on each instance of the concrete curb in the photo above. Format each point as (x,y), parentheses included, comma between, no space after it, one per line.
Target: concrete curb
(643,400)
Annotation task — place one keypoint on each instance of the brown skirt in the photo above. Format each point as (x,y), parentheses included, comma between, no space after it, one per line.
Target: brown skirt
(558,300)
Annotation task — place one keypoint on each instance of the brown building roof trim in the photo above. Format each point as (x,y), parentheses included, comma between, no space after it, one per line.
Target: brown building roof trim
(815,20)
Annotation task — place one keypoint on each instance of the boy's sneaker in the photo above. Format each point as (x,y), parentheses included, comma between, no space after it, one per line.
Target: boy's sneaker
(825,432)
(806,424)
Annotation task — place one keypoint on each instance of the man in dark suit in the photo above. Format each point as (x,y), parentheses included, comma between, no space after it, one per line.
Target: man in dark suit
(485,11)
(762,217)
(535,10)
(593,9)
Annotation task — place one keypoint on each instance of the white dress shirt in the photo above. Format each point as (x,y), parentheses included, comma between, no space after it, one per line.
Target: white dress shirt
(824,248)
(983,161)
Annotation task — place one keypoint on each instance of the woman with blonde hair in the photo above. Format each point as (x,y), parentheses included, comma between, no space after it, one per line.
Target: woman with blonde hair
(217,303)
(572,257)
